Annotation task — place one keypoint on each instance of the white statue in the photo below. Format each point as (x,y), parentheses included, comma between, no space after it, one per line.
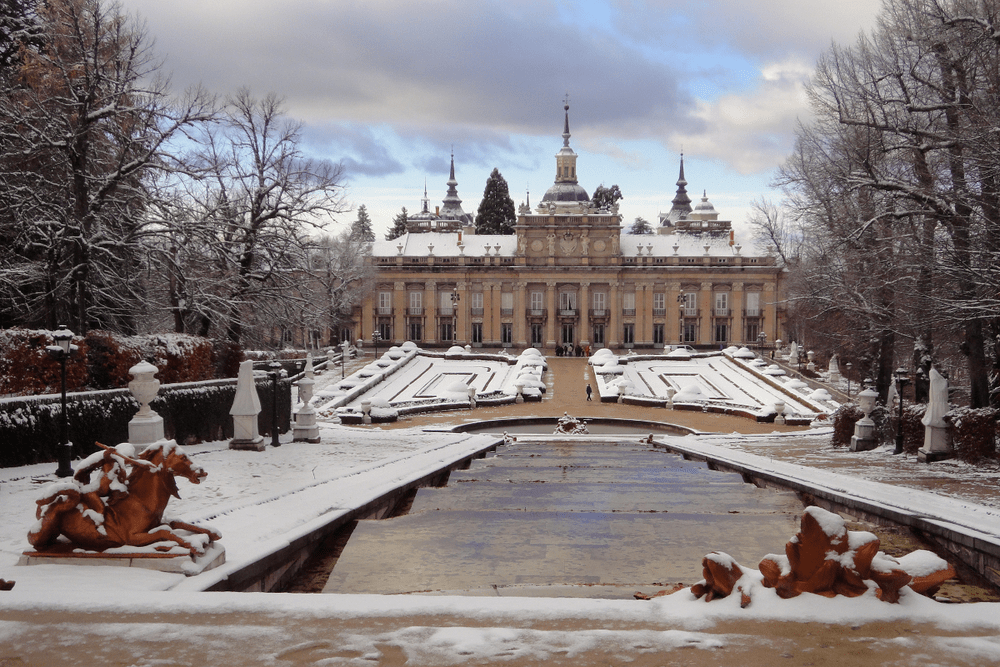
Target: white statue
(937,408)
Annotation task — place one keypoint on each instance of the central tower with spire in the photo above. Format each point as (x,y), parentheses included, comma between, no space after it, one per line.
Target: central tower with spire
(566,190)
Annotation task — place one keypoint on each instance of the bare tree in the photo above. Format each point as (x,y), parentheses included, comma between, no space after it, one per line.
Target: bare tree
(87,117)
(258,205)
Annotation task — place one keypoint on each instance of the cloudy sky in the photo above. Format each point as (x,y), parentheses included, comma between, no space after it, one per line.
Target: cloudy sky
(391,87)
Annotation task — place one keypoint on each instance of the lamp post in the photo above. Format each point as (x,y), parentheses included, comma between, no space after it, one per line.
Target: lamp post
(376,337)
(901,381)
(848,366)
(275,374)
(61,350)
(455,298)
(343,357)
(761,338)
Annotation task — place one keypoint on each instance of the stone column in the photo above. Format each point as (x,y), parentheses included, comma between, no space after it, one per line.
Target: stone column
(430,314)
(615,320)
(705,307)
(738,323)
(644,314)
(672,325)
(552,313)
(400,302)
(519,336)
(462,310)
(584,304)
(491,313)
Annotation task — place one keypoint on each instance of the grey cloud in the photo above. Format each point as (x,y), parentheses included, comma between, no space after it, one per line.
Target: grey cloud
(479,64)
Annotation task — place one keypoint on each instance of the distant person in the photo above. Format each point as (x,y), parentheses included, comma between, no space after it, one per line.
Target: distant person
(579,351)
(589,392)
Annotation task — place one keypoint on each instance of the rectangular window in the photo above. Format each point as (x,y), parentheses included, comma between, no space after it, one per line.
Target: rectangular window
(628,334)
(753,304)
(477,301)
(658,334)
(385,303)
(416,331)
(721,333)
(447,332)
(628,303)
(567,334)
(689,303)
(385,330)
(753,330)
(446,306)
(659,303)
(507,333)
(506,303)
(538,300)
(536,335)
(477,332)
(599,303)
(567,300)
(722,304)
(416,303)
(598,334)
(689,332)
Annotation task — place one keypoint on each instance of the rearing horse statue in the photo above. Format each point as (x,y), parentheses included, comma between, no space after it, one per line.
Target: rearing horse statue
(116,510)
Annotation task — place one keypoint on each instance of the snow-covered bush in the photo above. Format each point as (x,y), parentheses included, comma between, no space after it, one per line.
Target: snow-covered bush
(26,367)
(974,433)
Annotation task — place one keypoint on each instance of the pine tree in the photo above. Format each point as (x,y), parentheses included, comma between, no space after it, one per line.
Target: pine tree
(496,211)
(361,229)
(640,226)
(398,226)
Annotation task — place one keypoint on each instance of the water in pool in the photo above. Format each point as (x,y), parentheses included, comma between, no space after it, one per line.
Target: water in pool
(583,519)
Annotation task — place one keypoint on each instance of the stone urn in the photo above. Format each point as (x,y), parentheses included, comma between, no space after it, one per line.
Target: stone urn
(779,412)
(147,426)
(864,430)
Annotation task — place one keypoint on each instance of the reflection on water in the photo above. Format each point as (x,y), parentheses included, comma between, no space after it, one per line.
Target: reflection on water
(566,518)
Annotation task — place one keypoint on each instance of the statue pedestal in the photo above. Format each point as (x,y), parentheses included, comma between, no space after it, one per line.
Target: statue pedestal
(936,446)
(305,429)
(144,431)
(245,435)
(177,560)
(863,438)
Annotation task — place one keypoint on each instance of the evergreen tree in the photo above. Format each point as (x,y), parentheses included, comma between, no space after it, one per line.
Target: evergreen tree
(605,198)
(496,211)
(398,226)
(361,229)
(640,226)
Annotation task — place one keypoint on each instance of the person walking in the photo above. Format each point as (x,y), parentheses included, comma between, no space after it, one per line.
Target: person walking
(589,392)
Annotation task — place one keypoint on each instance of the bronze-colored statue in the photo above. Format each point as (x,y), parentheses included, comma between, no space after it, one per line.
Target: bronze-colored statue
(827,559)
(123,506)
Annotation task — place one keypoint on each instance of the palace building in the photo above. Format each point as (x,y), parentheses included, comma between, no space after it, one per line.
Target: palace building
(570,276)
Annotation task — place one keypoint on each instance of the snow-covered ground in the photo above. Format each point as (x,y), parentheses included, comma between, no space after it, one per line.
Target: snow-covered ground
(261,500)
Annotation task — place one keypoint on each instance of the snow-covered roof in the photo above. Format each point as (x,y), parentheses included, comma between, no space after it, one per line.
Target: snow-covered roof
(445,244)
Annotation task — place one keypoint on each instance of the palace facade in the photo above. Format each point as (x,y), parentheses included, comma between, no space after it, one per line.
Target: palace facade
(570,276)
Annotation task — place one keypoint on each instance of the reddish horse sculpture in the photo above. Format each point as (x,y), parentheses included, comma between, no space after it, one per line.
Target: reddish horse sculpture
(133,518)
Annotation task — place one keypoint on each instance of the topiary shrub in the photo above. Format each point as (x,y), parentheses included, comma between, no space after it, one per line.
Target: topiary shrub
(226,358)
(913,428)
(109,358)
(27,367)
(179,357)
(844,418)
(974,433)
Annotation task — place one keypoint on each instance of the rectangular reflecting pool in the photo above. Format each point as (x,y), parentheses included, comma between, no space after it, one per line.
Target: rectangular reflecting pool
(581,519)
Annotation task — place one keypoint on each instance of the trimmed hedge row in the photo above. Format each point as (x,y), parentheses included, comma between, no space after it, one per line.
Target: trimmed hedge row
(975,434)
(102,360)
(192,412)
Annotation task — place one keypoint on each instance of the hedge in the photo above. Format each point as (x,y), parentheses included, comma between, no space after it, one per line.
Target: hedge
(192,412)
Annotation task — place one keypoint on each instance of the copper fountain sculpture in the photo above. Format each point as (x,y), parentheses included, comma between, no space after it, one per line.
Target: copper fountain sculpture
(121,506)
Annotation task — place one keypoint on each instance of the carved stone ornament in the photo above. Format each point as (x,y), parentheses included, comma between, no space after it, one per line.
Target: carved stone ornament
(567,243)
